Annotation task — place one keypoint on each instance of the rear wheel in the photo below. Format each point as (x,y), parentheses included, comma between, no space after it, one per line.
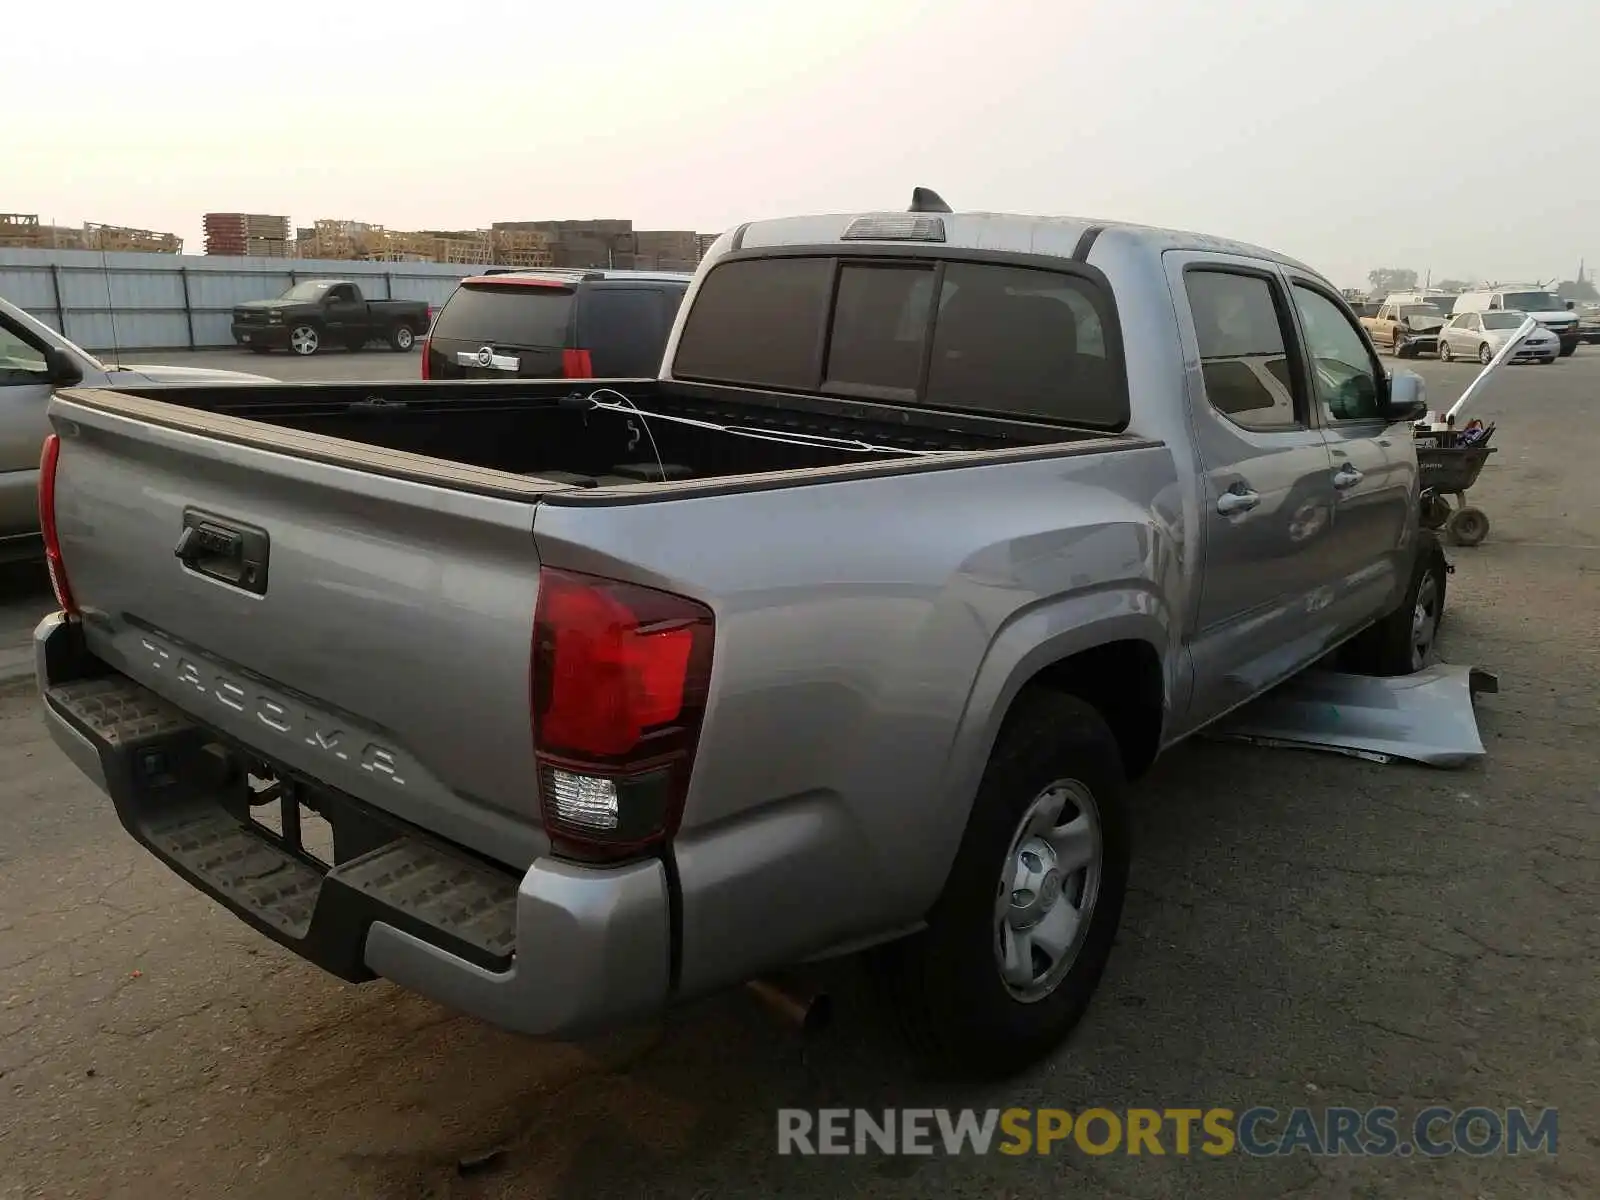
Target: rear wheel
(1484,353)
(1016,942)
(401,338)
(305,340)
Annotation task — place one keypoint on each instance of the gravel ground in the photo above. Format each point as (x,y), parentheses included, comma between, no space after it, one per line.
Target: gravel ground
(1303,930)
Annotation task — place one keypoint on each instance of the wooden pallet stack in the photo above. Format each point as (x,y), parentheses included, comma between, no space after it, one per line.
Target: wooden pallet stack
(256,235)
(119,239)
(524,248)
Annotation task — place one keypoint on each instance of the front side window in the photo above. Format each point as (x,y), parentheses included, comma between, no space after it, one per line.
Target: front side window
(1343,374)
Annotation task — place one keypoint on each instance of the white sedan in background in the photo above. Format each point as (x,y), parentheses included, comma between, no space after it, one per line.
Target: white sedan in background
(1482,335)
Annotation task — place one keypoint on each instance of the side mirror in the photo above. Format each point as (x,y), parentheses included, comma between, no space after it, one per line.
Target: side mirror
(1407,399)
(63,368)
(1571,304)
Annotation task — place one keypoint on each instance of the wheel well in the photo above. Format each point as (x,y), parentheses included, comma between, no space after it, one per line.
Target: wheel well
(1124,682)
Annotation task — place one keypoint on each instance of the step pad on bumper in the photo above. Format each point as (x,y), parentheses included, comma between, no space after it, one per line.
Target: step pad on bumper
(240,863)
(119,710)
(174,790)
(476,904)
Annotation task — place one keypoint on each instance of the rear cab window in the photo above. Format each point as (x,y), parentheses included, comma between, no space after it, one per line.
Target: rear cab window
(528,316)
(994,339)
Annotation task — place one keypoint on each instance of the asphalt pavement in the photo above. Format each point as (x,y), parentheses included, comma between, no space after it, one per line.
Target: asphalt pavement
(1303,930)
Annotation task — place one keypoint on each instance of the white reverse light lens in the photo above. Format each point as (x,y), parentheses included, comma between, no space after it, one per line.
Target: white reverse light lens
(584,801)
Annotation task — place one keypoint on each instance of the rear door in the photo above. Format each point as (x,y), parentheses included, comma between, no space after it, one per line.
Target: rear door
(1266,493)
(624,327)
(503,327)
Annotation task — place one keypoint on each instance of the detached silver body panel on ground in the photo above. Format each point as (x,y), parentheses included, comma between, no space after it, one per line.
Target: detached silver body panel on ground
(1427,717)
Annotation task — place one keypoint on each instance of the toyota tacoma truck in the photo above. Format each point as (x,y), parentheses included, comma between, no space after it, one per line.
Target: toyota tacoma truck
(328,312)
(561,701)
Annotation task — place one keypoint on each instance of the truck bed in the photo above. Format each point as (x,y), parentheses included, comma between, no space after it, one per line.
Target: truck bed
(543,437)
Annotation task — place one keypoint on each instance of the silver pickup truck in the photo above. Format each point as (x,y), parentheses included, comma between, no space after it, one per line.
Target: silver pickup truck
(845,633)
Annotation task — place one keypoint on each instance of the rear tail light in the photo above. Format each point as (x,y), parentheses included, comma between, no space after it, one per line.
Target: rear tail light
(575,364)
(620,676)
(48,460)
(427,346)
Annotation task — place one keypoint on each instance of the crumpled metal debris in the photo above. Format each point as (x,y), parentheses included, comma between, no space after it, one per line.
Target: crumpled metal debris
(1427,717)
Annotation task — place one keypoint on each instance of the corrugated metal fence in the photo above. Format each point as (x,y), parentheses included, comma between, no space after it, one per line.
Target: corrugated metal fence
(109,302)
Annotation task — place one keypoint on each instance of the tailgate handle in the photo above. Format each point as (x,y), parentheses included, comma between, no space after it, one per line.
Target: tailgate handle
(228,551)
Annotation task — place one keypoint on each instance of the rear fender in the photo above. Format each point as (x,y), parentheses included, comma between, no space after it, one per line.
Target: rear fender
(1032,641)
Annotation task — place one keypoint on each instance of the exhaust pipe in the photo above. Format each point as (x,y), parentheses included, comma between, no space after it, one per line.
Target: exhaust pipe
(808,1010)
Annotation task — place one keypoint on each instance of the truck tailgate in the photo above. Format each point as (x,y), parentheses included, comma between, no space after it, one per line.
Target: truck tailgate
(377,638)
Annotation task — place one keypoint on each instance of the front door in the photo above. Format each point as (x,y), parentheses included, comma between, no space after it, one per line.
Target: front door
(1374,463)
(1266,494)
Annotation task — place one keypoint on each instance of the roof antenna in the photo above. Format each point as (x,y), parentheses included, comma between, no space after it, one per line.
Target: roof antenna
(925,200)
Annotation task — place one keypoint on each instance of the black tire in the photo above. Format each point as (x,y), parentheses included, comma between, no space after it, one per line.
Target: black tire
(1467,526)
(402,338)
(944,983)
(1389,648)
(355,345)
(1568,349)
(305,340)
(1485,354)
(1445,353)
(1401,345)
(260,349)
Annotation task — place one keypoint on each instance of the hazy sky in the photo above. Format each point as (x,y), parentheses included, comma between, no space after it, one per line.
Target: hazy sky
(1458,136)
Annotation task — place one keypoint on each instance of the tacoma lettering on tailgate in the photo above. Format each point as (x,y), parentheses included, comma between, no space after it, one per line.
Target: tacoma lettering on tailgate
(247,698)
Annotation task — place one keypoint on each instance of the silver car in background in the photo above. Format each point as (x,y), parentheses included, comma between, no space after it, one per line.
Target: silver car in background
(1481,335)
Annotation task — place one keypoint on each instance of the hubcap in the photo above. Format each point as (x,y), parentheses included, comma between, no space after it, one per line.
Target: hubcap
(404,339)
(303,340)
(1424,621)
(1047,890)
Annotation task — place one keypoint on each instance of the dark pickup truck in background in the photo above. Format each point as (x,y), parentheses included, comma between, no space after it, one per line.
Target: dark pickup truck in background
(323,312)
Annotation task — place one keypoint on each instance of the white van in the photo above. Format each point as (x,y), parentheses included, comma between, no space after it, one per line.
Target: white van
(1543,305)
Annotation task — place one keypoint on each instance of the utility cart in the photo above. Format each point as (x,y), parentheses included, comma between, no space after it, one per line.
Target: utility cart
(1450,461)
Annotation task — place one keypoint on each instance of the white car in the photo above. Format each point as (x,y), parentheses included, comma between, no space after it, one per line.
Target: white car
(34,361)
(1481,335)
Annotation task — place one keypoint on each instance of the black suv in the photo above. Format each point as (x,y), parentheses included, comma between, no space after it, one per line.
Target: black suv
(552,324)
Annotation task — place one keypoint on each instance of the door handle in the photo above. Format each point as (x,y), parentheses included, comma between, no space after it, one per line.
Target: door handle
(1231,502)
(1347,477)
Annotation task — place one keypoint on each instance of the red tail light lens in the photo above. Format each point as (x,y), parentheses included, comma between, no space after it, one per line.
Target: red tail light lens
(575,364)
(620,675)
(427,367)
(48,460)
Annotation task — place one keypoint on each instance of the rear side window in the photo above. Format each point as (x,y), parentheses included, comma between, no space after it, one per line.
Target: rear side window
(758,322)
(1243,350)
(523,315)
(975,337)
